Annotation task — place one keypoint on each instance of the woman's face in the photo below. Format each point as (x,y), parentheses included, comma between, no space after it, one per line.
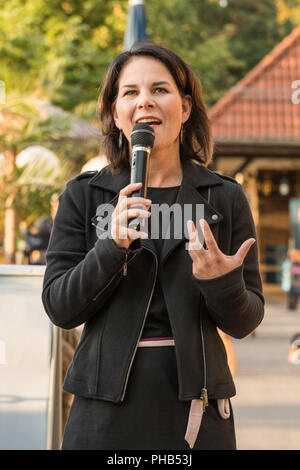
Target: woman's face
(147,92)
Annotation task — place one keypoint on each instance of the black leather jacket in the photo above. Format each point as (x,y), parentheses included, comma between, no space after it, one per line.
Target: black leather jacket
(91,280)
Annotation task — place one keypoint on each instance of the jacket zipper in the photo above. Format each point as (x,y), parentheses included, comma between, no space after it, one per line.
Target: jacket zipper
(123,268)
(142,327)
(204,394)
(125,265)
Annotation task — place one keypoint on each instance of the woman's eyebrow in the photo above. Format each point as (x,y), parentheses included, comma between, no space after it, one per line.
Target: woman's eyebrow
(128,86)
(162,82)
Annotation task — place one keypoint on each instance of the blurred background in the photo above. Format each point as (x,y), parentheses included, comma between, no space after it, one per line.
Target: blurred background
(53,57)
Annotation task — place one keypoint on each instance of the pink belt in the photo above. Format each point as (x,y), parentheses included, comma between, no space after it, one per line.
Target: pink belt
(147,342)
(197,406)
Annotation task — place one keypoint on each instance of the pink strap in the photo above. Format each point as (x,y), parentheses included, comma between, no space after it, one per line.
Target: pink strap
(152,342)
(194,422)
(224,408)
(195,418)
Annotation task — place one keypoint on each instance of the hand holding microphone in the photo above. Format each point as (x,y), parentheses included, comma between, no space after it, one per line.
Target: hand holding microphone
(132,202)
(142,140)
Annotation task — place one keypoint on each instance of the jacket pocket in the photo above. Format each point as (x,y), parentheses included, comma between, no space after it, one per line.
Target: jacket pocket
(85,364)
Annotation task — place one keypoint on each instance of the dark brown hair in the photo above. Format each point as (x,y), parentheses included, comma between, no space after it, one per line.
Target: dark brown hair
(197,139)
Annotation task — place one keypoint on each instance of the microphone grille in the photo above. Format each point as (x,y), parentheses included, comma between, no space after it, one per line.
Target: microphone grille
(142,134)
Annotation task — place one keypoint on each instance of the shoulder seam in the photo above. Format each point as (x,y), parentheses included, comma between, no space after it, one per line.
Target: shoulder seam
(86,174)
(226,177)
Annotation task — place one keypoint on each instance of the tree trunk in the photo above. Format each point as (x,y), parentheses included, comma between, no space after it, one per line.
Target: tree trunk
(10,224)
(10,235)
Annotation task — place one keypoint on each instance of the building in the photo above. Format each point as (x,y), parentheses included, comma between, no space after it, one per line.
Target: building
(256,130)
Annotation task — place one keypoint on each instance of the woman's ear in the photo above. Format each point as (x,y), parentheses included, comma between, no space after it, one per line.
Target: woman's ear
(186,108)
(115,115)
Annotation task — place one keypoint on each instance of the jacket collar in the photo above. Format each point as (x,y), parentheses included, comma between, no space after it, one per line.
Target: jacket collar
(196,178)
(194,175)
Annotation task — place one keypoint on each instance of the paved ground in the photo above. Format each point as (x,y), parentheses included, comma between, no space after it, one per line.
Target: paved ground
(267,404)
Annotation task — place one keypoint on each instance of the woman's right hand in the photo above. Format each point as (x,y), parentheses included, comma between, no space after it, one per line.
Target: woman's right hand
(121,234)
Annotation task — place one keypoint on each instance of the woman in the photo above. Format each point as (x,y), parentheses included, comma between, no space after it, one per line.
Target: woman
(150,368)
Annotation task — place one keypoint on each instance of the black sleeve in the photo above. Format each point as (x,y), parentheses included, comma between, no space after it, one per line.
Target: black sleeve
(78,282)
(235,300)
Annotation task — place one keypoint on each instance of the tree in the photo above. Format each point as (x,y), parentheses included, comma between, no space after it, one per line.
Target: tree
(69,44)
(59,50)
(221,44)
(66,44)
(25,122)
(21,125)
(288,13)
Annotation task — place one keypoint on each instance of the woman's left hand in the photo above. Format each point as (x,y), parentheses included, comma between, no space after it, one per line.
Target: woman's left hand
(211,262)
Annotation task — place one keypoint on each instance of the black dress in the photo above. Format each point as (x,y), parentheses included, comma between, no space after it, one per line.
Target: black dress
(151,417)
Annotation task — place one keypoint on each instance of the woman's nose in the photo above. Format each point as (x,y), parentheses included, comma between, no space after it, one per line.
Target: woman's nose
(145,100)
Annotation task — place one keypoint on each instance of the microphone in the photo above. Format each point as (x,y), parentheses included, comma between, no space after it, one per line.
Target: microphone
(142,140)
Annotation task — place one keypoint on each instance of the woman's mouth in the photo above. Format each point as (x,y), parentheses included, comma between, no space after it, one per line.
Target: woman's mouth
(153,122)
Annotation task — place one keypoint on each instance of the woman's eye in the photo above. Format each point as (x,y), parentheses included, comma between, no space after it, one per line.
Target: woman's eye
(160,90)
(130,93)
(157,90)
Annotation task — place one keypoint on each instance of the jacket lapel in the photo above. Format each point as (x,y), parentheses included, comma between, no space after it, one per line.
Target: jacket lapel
(193,204)
(192,201)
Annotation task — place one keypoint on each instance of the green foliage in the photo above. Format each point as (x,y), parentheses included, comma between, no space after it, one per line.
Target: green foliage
(221,44)
(33,203)
(64,47)
(25,125)
(59,50)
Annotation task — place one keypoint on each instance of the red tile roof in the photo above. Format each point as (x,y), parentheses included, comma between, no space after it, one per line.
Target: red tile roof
(260,108)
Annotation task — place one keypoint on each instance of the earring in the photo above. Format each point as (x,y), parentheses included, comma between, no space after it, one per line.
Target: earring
(181,135)
(120,138)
